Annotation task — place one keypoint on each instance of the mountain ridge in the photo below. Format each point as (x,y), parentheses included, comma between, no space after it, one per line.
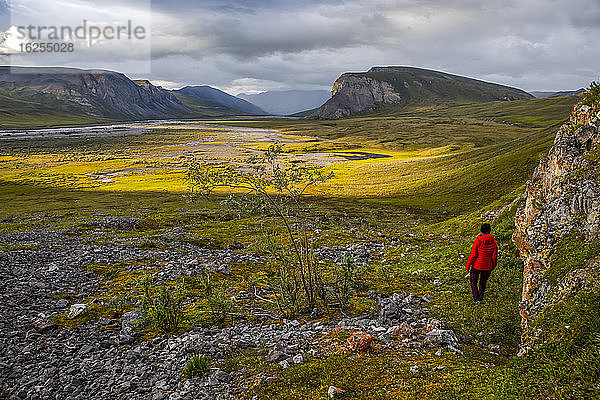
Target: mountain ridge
(209,93)
(95,92)
(405,87)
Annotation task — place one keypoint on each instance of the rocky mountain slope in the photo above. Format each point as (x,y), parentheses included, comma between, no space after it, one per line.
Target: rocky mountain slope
(407,86)
(558,235)
(93,92)
(221,98)
(287,102)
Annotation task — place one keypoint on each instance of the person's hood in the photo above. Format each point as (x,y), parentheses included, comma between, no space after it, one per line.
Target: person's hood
(486,239)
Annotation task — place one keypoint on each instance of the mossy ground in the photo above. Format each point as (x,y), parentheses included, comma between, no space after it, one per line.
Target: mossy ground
(446,167)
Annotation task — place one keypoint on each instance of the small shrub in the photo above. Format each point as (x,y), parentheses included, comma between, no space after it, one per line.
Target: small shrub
(197,365)
(288,288)
(592,95)
(346,280)
(220,306)
(201,282)
(163,306)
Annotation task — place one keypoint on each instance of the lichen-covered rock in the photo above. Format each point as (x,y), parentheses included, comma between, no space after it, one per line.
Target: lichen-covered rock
(562,197)
(359,341)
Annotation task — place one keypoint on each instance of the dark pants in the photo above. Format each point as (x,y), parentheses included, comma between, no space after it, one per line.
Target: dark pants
(482,277)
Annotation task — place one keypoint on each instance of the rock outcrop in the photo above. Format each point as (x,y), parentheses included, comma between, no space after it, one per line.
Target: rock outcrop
(407,86)
(352,93)
(562,208)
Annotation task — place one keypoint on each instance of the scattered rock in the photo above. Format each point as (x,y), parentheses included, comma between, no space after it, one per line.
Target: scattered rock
(129,322)
(426,298)
(105,359)
(359,341)
(298,359)
(235,245)
(439,337)
(62,303)
(404,330)
(44,325)
(76,310)
(274,356)
(335,392)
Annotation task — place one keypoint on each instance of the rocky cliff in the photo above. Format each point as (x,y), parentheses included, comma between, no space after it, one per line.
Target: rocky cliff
(558,229)
(352,93)
(98,92)
(407,86)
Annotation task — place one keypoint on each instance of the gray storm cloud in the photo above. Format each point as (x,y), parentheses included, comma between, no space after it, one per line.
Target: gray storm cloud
(262,44)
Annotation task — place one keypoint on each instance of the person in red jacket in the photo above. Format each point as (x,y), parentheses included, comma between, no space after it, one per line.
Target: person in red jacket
(481,262)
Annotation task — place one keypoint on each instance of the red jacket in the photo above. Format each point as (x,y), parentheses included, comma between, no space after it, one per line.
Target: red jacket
(484,254)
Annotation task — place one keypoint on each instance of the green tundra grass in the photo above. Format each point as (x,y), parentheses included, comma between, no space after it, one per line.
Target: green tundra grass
(437,171)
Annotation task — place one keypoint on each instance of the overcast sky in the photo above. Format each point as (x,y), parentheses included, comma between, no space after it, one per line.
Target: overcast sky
(256,45)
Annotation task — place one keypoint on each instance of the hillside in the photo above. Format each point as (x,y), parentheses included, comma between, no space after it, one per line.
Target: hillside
(543,94)
(205,108)
(408,87)
(287,102)
(558,235)
(216,96)
(67,96)
(93,92)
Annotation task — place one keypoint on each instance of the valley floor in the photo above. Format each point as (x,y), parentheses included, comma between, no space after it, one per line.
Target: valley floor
(104,221)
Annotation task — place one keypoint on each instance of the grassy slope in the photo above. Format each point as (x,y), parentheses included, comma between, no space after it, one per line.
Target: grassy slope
(484,150)
(21,108)
(203,108)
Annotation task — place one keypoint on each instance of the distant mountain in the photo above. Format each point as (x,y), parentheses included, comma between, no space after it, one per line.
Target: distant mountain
(91,92)
(217,96)
(287,102)
(405,87)
(543,94)
(34,96)
(205,108)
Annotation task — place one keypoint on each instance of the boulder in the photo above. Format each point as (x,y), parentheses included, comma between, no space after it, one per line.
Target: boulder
(76,310)
(439,337)
(129,321)
(359,341)
(335,392)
